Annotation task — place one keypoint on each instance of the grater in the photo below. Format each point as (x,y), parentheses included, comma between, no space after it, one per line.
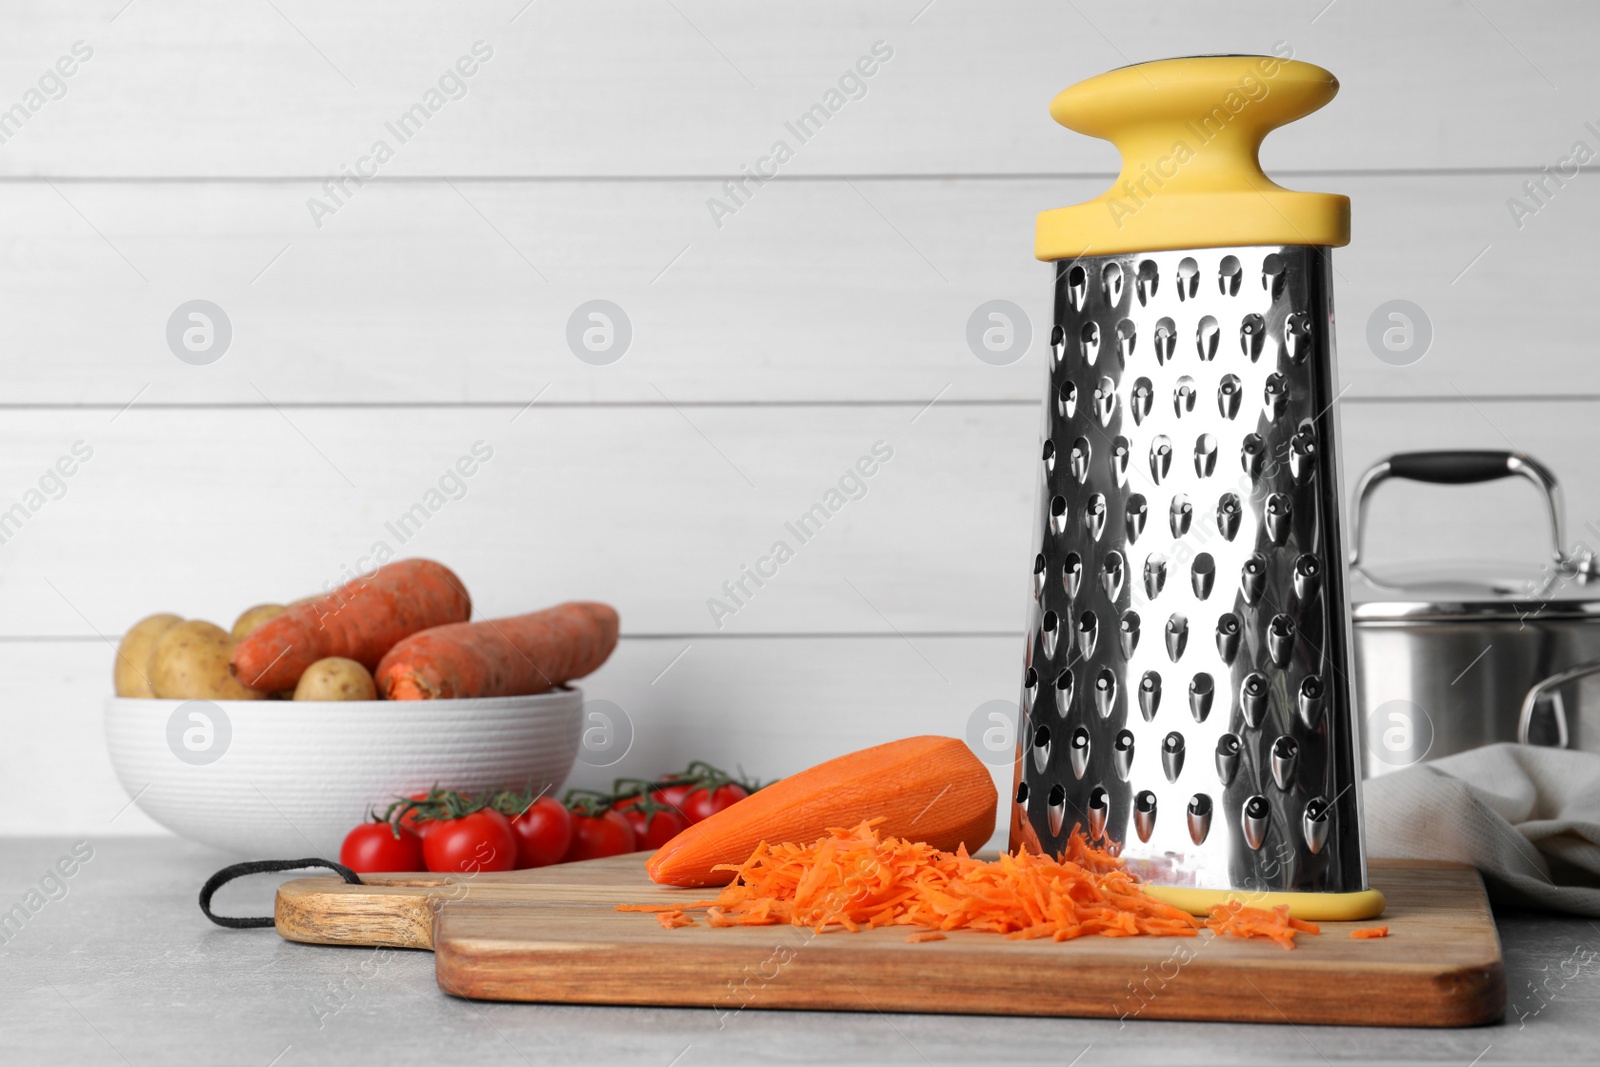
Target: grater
(1186,695)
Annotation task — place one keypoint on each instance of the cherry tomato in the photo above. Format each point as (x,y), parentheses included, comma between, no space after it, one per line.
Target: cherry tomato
(673,795)
(412,819)
(544,833)
(374,846)
(702,804)
(594,836)
(482,841)
(652,829)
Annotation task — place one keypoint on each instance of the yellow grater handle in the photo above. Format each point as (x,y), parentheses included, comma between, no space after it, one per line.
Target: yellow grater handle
(1189,131)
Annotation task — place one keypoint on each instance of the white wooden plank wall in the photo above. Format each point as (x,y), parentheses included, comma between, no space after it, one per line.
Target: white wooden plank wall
(825,314)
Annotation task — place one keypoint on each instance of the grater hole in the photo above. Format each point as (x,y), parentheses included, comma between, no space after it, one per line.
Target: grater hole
(1139,401)
(1228,275)
(1149,695)
(1276,394)
(1111,577)
(1252,452)
(1049,455)
(1127,337)
(1149,280)
(1252,335)
(1180,514)
(1297,336)
(1077,287)
(1094,516)
(1064,687)
(1122,754)
(1111,283)
(1177,635)
(1188,278)
(1205,338)
(1105,400)
(1038,576)
(1273,269)
(1202,574)
(1229,511)
(1058,515)
(1155,574)
(1229,393)
(1088,631)
(1166,339)
(1183,394)
(1071,573)
(1022,792)
(1135,511)
(1105,692)
(1058,343)
(1067,400)
(1090,337)
(1205,454)
(1078,459)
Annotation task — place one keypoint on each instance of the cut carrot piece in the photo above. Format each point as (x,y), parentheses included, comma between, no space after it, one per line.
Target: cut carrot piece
(1367,933)
(931,786)
(925,935)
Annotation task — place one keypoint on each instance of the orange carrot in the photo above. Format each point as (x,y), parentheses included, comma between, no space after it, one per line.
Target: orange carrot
(500,657)
(1235,919)
(925,935)
(1366,933)
(930,789)
(361,620)
(860,880)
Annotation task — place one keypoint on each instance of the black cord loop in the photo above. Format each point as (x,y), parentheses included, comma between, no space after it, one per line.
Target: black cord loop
(240,870)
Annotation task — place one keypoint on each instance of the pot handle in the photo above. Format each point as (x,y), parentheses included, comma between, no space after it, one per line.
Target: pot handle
(1538,692)
(1460,467)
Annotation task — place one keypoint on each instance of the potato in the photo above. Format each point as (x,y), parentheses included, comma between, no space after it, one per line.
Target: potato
(336,678)
(190,662)
(254,617)
(131,672)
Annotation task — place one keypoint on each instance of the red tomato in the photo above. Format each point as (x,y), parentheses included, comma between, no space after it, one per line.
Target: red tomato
(652,829)
(373,846)
(702,804)
(417,824)
(673,795)
(482,841)
(594,836)
(544,833)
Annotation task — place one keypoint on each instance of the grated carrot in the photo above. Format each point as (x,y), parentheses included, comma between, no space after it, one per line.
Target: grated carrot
(1366,933)
(1236,919)
(855,879)
(925,935)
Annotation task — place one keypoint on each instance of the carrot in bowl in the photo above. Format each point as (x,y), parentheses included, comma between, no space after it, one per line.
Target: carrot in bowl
(361,620)
(500,657)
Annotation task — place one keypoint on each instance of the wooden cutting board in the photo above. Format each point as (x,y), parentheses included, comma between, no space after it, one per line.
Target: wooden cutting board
(554,935)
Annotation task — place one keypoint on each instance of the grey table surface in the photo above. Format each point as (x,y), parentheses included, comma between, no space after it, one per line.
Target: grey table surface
(118,966)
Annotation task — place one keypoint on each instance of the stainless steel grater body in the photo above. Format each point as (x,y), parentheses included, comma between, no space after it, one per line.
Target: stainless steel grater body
(1186,693)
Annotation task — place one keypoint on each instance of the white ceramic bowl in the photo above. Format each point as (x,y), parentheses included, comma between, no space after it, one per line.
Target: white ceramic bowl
(285,780)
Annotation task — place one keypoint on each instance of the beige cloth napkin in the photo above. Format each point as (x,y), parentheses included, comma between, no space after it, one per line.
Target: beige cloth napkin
(1528,817)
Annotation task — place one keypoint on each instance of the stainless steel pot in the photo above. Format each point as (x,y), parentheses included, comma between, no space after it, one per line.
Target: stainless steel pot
(1452,660)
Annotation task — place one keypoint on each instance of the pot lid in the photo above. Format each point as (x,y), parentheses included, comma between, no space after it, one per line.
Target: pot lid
(1475,589)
